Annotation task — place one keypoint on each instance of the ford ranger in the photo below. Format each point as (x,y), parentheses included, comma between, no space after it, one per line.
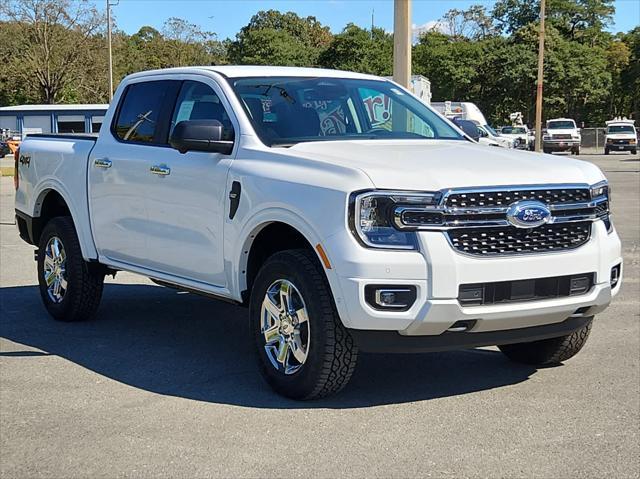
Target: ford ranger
(342,211)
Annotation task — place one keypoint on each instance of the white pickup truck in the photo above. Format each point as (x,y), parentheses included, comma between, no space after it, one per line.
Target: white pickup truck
(344,212)
(561,134)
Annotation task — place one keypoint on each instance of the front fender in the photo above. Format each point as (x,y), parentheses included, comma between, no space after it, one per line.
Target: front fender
(239,251)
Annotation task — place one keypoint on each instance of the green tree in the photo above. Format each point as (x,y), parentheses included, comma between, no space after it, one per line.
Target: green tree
(583,20)
(360,50)
(293,40)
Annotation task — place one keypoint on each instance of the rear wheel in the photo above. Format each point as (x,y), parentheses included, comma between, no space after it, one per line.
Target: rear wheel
(304,351)
(70,289)
(548,351)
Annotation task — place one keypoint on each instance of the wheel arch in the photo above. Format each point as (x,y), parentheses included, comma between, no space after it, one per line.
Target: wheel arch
(52,202)
(264,240)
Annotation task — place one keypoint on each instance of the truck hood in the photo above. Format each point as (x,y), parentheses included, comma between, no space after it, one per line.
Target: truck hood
(621,136)
(434,165)
(514,135)
(563,131)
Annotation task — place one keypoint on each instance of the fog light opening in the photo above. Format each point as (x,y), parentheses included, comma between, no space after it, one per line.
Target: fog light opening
(615,276)
(462,326)
(390,297)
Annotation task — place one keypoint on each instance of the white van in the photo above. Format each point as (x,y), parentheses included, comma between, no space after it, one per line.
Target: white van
(469,111)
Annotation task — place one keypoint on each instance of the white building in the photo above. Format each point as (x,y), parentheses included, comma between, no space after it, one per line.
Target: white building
(23,119)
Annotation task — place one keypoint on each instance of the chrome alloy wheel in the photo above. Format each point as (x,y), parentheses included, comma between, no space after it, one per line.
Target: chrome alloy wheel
(285,326)
(55,269)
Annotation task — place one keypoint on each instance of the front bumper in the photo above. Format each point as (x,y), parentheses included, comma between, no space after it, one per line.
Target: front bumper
(621,146)
(560,145)
(392,342)
(438,270)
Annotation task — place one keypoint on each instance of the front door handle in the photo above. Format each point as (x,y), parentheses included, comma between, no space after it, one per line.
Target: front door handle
(102,163)
(160,170)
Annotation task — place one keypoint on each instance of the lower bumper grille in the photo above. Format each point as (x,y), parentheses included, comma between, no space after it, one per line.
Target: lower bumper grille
(479,294)
(511,240)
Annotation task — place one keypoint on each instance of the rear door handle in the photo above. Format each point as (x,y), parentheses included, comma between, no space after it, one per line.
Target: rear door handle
(160,170)
(102,163)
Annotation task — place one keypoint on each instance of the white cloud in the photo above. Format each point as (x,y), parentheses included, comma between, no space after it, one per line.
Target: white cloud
(430,26)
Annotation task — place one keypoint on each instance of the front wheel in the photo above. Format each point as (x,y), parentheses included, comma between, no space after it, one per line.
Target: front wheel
(304,351)
(576,151)
(606,151)
(70,289)
(548,351)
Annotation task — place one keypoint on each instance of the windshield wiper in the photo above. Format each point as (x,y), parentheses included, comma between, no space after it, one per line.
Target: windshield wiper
(283,92)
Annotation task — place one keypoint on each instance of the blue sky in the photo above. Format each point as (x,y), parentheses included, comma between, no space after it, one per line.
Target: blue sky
(226,17)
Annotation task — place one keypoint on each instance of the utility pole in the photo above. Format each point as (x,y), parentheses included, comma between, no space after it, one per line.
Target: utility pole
(373,12)
(109,5)
(540,79)
(402,42)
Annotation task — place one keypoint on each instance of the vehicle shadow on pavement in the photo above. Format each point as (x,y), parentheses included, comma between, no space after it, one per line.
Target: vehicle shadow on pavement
(184,345)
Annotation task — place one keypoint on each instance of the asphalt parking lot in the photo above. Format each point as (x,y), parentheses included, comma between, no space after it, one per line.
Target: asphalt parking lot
(162,384)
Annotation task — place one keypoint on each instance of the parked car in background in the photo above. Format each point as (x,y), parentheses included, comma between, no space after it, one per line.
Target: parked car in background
(489,136)
(621,135)
(469,111)
(561,134)
(518,134)
(345,213)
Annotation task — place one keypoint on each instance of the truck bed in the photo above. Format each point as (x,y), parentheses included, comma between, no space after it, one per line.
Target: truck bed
(56,162)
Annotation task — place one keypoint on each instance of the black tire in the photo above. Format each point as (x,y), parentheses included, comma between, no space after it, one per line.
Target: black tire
(606,151)
(84,283)
(634,152)
(331,352)
(576,151)
(548,351)
(547,151)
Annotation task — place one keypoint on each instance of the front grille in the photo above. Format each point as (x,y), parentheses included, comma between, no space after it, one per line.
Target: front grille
(510,240)
(479,294)
(561,136)
(506,197)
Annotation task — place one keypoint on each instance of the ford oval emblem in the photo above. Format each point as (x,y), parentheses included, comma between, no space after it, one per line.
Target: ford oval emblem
(528,214)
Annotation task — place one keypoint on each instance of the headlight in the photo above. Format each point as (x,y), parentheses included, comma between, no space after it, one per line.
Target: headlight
(600,189)
(546,137)
(601,192)
(609,140)
(575,137)
(632,141)
(372,217)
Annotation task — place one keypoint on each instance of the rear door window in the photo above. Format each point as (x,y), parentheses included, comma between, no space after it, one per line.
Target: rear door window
(143,115)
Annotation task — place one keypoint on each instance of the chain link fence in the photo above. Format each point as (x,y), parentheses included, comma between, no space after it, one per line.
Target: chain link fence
(593,138)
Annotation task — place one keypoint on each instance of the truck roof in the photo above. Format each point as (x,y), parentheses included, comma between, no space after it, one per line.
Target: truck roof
(560,119)
(239,71)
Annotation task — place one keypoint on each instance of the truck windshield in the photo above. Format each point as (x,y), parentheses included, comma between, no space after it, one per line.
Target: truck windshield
(513,130)
(490,130)
(289,110)
(621,129)
(561,125)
